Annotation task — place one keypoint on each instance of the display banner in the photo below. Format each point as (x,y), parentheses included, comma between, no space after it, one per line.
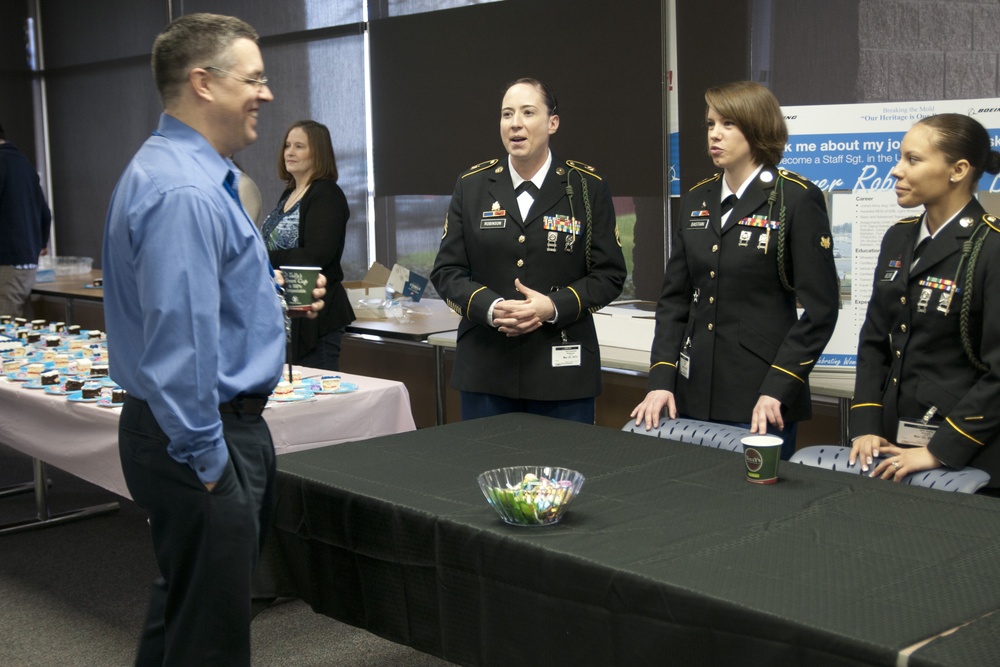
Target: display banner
(848,151)
(673,124)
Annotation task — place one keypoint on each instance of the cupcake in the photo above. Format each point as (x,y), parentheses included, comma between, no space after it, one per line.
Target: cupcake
(283,390)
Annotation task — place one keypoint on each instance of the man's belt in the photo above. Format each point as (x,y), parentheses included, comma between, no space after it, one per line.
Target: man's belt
(251,406)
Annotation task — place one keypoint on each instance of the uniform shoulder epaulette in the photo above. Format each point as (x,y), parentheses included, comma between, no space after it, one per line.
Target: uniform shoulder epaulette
(908,221)
(713,177)
(793,177)
(476,168)
(583,168)
(992,222)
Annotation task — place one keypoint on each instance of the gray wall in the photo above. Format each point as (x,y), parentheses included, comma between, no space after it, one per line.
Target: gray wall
(927,50)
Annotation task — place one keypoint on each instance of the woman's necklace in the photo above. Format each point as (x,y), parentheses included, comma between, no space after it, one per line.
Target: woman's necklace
(294,198)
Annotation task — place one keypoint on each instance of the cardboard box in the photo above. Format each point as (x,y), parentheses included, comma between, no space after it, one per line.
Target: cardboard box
(627,324)
(366,295)
(370,288)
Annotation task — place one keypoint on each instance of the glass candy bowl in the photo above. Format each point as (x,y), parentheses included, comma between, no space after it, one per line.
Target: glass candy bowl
(530,495)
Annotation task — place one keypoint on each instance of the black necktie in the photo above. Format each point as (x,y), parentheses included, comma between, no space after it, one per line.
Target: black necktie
(728,203)
(529,187)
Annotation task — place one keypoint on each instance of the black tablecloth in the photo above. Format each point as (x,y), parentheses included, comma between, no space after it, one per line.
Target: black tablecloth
(668,556)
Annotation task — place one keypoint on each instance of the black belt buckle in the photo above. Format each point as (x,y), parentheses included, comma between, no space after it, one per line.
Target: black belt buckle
(249,406)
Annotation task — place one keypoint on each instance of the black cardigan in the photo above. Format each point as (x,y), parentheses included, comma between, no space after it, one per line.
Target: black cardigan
(323,215)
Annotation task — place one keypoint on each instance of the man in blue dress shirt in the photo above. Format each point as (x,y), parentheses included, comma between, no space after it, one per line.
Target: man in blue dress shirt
(197,339)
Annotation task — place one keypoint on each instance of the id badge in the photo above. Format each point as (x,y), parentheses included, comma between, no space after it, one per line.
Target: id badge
(914,433)
(685,365)
(567,355)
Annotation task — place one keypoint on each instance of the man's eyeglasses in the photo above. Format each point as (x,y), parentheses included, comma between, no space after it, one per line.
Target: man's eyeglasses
(260,83)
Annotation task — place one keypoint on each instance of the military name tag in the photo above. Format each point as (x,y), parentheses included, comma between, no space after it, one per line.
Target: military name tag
(495,223)
(698,224)
(888,276)
(914,433)
(567,355)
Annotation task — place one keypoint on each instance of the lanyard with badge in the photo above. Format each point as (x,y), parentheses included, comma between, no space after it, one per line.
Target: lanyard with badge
(565,354)
(917,433)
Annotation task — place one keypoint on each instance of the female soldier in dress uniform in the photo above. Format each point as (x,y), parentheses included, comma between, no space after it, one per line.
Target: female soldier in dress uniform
(928,379)
(729,346)
(530,249)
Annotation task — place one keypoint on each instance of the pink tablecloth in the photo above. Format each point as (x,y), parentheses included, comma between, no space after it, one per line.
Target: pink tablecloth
(82,438)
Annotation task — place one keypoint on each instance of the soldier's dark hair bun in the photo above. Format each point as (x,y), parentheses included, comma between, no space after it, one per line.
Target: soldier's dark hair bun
(992,163)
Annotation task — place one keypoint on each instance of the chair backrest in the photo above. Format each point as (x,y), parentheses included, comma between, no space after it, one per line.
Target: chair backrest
(708,434)
(832,457)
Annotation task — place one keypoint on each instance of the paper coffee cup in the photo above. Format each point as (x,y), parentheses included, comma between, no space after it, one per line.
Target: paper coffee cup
(761,454)
(299,284)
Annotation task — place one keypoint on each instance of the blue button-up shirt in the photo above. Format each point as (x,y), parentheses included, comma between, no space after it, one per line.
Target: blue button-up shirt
(192,315)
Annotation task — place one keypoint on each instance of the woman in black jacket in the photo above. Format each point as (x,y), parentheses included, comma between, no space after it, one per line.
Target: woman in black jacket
(307,228)
(928,377)
(730,345)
